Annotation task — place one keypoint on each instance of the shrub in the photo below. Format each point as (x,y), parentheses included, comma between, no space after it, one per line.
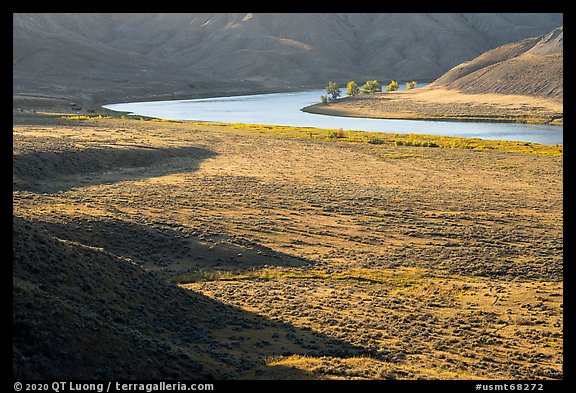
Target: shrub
(411,85)
(393,86)
(84,117)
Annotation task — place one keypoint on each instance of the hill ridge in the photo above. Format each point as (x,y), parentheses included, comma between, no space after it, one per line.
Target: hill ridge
(124,55)
(533,66)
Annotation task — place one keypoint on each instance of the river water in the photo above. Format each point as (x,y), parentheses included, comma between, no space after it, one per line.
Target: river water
(285,109)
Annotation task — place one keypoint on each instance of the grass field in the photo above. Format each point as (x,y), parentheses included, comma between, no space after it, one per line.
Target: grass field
(447,104)
(431,257)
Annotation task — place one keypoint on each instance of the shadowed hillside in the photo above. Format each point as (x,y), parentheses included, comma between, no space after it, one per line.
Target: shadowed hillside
(80,312)
(57,170)
(98,58)
(83,313)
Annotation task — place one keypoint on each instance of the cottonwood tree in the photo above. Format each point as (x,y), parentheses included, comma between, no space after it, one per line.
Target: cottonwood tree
(371,86)
(411,85)
(393,86)
(352,89)
(332,91)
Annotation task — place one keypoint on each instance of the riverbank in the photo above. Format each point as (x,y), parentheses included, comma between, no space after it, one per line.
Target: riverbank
(284,109)
(321,257)
(431,103)
(68,102)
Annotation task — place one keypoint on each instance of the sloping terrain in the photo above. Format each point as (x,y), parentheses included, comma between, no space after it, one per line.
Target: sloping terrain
(305,257)
(519,82)
(533,66)
(81,312)
(83,305)
(98,58)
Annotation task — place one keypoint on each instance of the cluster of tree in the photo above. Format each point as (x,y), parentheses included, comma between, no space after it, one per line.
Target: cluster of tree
(352,89)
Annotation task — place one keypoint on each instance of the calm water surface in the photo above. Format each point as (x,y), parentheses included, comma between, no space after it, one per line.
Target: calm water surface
(285,109)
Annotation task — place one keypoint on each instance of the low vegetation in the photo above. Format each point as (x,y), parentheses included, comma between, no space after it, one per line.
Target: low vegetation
(411,85)
(372,86)
(308,253)
(352,89)
(393,86)
(84,117)
(391,139)
(332,91)
(394,278)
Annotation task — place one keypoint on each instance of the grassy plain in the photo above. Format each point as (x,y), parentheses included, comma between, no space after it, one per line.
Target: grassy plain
(433,262)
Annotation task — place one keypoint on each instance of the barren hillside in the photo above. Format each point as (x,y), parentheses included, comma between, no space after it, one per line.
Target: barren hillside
(533,66)
(520,82)
(126,56)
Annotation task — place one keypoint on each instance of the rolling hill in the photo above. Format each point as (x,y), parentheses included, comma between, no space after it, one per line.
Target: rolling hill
(81,312)
(103,57)
(91,298)
(520,81)
(533,66)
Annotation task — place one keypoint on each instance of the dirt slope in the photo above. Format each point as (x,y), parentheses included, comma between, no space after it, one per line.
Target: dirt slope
(517,82)
(533,66)
(82,313)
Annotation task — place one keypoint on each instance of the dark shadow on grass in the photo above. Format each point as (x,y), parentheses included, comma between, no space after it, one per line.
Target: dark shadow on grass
(53,171)
(82,313)
(172,250)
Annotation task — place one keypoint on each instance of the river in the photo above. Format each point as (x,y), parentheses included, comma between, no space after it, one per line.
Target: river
(285,109)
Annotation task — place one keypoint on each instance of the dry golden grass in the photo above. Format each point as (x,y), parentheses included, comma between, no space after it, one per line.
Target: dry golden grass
(441,103)
(423,262)
(452,327)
